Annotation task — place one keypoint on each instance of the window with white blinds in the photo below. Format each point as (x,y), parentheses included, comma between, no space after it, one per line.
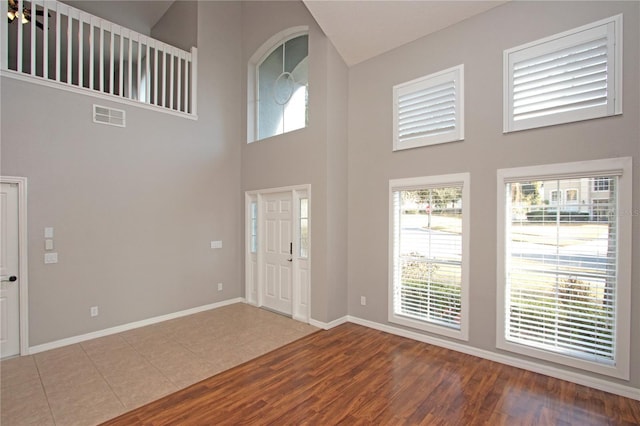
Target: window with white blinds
(429,233)
(563,286)
(429,110)
(567,77)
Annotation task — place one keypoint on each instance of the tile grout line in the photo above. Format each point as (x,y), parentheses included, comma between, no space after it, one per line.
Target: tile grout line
(44,389)
(103,378)
(151,364)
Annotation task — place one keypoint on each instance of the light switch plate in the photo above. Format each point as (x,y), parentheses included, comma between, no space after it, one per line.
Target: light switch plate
(48,244)
(216,244)
(51,258)
(48,232)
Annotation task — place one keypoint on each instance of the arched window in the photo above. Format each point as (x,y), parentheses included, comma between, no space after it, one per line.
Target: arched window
(280,85)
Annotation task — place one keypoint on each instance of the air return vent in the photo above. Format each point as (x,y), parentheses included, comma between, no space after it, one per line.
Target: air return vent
(111,116)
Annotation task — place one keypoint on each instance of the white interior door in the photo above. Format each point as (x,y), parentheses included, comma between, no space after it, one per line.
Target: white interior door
(9,262)
(278,249)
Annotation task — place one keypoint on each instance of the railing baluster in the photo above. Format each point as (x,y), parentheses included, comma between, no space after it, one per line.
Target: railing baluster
(92,49)
(130,67)
(112,83)
(147,80)
(179,81)
(138,65)
(4,36)
(81,49)
(20,35)
(171,100)
(155,73)
(164,77)
(59,6)
(45,40)
(101,58)
(69,48)
(32,25)
(121,65)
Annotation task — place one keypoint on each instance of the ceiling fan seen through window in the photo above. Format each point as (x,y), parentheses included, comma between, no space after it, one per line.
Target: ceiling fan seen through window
(13,12)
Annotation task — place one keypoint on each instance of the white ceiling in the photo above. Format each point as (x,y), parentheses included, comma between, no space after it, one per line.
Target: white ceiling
(359,29)
(363,29)
(138,15)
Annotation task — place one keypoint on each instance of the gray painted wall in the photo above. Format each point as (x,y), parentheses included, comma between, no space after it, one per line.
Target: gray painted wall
(478,43)
(134,209)
(314,155)
(179,25)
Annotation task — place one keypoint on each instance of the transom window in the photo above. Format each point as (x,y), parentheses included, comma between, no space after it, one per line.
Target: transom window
(282,88)
(564,279)
(428,283)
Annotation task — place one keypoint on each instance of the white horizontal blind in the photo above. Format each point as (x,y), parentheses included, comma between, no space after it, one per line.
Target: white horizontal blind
(561,266)
(565,78)
(429,110)
(428,255)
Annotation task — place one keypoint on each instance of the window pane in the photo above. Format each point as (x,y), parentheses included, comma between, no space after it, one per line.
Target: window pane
(283,89)
(561,266)
(304,228)
(428,256)
(254,227)
(269,111)
(295,51)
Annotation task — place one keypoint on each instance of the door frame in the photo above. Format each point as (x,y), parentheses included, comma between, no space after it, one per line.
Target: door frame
(254,262)
(22,259)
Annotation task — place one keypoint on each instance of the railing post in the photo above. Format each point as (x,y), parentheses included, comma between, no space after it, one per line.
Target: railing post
(4,35)
(194,80)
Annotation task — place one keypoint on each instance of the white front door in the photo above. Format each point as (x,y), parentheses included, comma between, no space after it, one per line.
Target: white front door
(278,249)
(9,289)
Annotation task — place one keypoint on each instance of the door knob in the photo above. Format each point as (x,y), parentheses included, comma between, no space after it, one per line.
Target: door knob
(11,279)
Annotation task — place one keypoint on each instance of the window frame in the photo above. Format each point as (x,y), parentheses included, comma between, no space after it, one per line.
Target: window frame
(557,42)
(622,167)
(455,74)
(252,77)
(421,183)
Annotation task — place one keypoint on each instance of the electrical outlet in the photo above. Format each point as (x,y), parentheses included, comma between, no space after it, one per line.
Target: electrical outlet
(94,311)
(363,300)
(219,286)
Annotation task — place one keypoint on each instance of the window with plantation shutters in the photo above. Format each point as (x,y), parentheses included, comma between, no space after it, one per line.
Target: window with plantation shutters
(565,264)
(429,110)
(429,232)
(568,77)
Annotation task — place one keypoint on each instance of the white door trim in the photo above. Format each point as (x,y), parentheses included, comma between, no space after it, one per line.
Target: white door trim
(254,262)
(23,256)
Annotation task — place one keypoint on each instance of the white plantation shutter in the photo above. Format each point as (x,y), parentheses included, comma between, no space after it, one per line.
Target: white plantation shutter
(429,110)
(428,285)
(568,77)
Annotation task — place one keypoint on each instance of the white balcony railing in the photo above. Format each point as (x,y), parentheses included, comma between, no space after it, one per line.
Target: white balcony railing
(51,42)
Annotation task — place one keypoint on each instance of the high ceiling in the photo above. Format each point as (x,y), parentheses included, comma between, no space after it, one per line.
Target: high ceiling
(363,29)
(138,15)
(359,29)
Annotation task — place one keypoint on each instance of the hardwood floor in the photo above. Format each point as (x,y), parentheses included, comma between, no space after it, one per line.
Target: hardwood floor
(355,375)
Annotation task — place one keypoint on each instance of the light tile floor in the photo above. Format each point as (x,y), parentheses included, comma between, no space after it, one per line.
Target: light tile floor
(96,380)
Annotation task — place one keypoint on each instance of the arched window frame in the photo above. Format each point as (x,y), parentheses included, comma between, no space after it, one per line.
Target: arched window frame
(252,75)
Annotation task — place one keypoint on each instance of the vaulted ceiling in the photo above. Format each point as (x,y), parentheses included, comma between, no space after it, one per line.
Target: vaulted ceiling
(359,29)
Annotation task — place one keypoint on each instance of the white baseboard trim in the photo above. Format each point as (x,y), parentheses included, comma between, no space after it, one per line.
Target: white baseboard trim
(130,326)
(581,379)
(328,325)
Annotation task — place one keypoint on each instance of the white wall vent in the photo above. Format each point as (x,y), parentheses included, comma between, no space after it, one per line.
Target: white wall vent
(111,116)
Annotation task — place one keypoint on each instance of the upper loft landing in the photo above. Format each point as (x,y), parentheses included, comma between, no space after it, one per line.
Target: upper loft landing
(52,43)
